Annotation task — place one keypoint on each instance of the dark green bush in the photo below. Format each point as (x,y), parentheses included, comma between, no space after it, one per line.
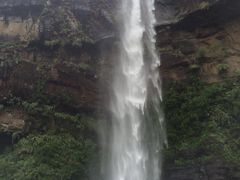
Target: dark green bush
(200,119)
(47,157)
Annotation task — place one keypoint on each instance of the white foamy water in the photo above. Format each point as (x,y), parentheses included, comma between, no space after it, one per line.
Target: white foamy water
(137,134)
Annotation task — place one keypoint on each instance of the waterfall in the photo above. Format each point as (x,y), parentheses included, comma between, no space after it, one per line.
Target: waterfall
(137,134)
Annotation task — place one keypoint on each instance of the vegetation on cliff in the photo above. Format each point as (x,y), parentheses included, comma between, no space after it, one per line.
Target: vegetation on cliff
(47,157)
(55,143)
(60,145)
(203,122)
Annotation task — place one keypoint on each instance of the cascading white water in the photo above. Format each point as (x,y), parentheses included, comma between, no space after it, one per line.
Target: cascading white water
(137,128)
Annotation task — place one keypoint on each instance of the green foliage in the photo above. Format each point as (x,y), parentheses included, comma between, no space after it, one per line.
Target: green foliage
(84,66)
(38,94)
(11,44)
(47,115)
(79,67)
(67,30)
(222,68)
(47,157)
(55,112)
(215,51)
(201,53)
(201,120)
(204,5)
(52,43)
(194,67)
(64,154)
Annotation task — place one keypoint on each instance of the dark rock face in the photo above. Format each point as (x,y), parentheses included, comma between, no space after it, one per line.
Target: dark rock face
(21,8)
(57,40)
(204,12)
(209,172)
(99,20)
(216,170)
(202,38)
(219,13)
(12,127)
(203,43)
(31,20)
(55,50)
(172,11)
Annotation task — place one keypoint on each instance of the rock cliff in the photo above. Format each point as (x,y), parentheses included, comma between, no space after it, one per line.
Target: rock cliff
(52,63)
(200,62)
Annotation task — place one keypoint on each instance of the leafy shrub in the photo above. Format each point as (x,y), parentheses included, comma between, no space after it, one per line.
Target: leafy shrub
(201,53)
(201,119)
(222,68)
(204,5)
(216,50)
(47,157)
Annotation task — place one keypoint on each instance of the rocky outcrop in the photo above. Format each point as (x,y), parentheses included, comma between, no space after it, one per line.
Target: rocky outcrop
(201,44)
(216,170)
(54,40)
(202,41)
(12,127)
(53,53)
(173,11)
(33,20)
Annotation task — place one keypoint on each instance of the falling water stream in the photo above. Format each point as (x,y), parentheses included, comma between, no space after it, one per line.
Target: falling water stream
(137,134)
